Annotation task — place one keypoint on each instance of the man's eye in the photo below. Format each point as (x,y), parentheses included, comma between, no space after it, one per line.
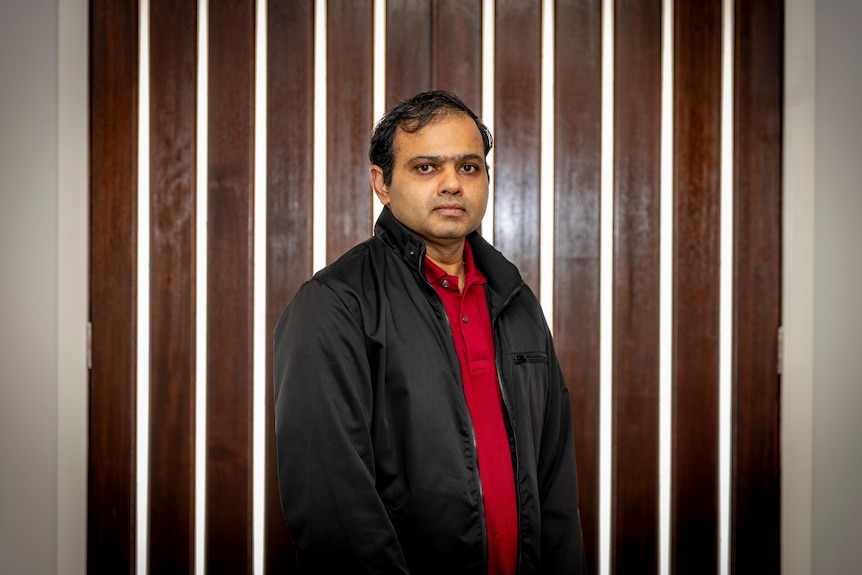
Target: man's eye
(469,168)
(424,168)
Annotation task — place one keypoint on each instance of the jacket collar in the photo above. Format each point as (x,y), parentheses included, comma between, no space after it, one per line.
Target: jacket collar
(503,277)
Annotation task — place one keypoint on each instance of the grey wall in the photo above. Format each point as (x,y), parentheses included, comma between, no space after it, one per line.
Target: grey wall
(28,284)
(837,439)
(43,266)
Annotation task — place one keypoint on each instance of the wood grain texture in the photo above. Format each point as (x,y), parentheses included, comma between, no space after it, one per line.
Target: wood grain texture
(758,105)
(577,197)
(349,75)
(111,463)
(637,143)
(228,535)
(696,282)
(457,50)
(290,181)
(409,49)
(173,70)
(173,66)
(434,45)
(517,123)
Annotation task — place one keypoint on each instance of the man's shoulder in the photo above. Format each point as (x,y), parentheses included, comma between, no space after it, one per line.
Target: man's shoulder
(338,281)
(347,263)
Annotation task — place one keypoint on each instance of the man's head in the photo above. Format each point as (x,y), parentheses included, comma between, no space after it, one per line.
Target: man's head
(411,116)
(429,168)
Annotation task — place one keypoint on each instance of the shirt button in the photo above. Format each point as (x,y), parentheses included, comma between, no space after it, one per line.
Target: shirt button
(465,319)
(445,283)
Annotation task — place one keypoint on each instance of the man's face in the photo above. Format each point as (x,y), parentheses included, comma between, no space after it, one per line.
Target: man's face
(439,186)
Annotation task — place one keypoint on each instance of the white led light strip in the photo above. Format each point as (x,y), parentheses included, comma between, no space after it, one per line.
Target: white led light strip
(318,256)
(379,97)
(546,171)
(142,416)
(260,330)
(201,209)
(666,291)
(725,354)
(606,289)
(487,115)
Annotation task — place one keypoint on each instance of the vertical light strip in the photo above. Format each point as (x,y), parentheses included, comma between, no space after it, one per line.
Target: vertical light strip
(546,217)
(379,96)
(606,288)
(666,290)
(201,209)
(259,323)
(488,107)
(318,256)
(143,304)
(725,353)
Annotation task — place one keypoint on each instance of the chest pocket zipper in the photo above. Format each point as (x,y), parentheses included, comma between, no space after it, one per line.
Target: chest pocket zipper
(529,357)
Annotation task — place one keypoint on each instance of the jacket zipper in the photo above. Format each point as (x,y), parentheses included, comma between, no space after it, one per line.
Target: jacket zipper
(511,426)
(536,357)
(438,304)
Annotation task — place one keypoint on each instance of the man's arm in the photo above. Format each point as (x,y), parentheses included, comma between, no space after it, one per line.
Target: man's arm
(323,399)
(562,538)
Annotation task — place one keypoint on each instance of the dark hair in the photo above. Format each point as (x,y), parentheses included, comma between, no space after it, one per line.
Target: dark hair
(411,116)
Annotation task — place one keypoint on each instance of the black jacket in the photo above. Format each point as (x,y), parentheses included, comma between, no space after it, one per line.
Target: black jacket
(376,458)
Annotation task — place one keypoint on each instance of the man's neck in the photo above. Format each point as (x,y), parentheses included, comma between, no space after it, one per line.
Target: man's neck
(450,259)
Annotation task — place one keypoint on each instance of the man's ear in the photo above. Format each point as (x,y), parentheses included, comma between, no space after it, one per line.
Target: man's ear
(375,176)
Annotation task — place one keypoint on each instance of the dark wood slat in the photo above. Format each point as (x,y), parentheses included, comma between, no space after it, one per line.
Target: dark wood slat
(578,87)
(434,44)
(229,280)
(113,286)
(350,74)
(517,123)
(409,49)
(173,68)
(457,50)
(290,181)
(697,210)
(637,143)
(758,103)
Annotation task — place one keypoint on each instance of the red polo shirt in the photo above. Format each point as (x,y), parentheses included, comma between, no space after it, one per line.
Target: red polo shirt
(474,342)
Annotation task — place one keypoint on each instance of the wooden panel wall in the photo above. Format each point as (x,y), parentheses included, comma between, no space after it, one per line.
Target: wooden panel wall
(349,73)
(437,44)
(173,210)
(434,44)
(637,169)
(111,511)
(289,186)
(697,247)
(517,127)
(758,98)
(577,242)
(229,344)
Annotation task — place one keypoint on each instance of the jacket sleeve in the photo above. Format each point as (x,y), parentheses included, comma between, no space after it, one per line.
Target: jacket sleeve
(562,538)
(323,399)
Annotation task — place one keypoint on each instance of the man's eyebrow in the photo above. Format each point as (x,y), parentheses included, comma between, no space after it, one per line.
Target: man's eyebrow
(445,159)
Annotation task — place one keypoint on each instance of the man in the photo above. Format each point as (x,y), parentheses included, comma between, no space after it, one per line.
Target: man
(422,419)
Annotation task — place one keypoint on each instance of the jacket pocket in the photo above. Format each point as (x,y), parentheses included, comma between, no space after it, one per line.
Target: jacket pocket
(520,357)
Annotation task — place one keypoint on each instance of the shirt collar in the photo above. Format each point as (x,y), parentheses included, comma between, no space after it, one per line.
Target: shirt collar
(436,274)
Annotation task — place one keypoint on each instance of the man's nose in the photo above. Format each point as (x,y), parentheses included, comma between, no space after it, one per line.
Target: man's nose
(450,181)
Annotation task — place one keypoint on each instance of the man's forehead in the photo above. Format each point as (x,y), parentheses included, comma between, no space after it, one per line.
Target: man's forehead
(430,136)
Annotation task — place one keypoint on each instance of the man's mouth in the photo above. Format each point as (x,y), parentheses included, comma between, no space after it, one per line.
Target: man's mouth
(450,209)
